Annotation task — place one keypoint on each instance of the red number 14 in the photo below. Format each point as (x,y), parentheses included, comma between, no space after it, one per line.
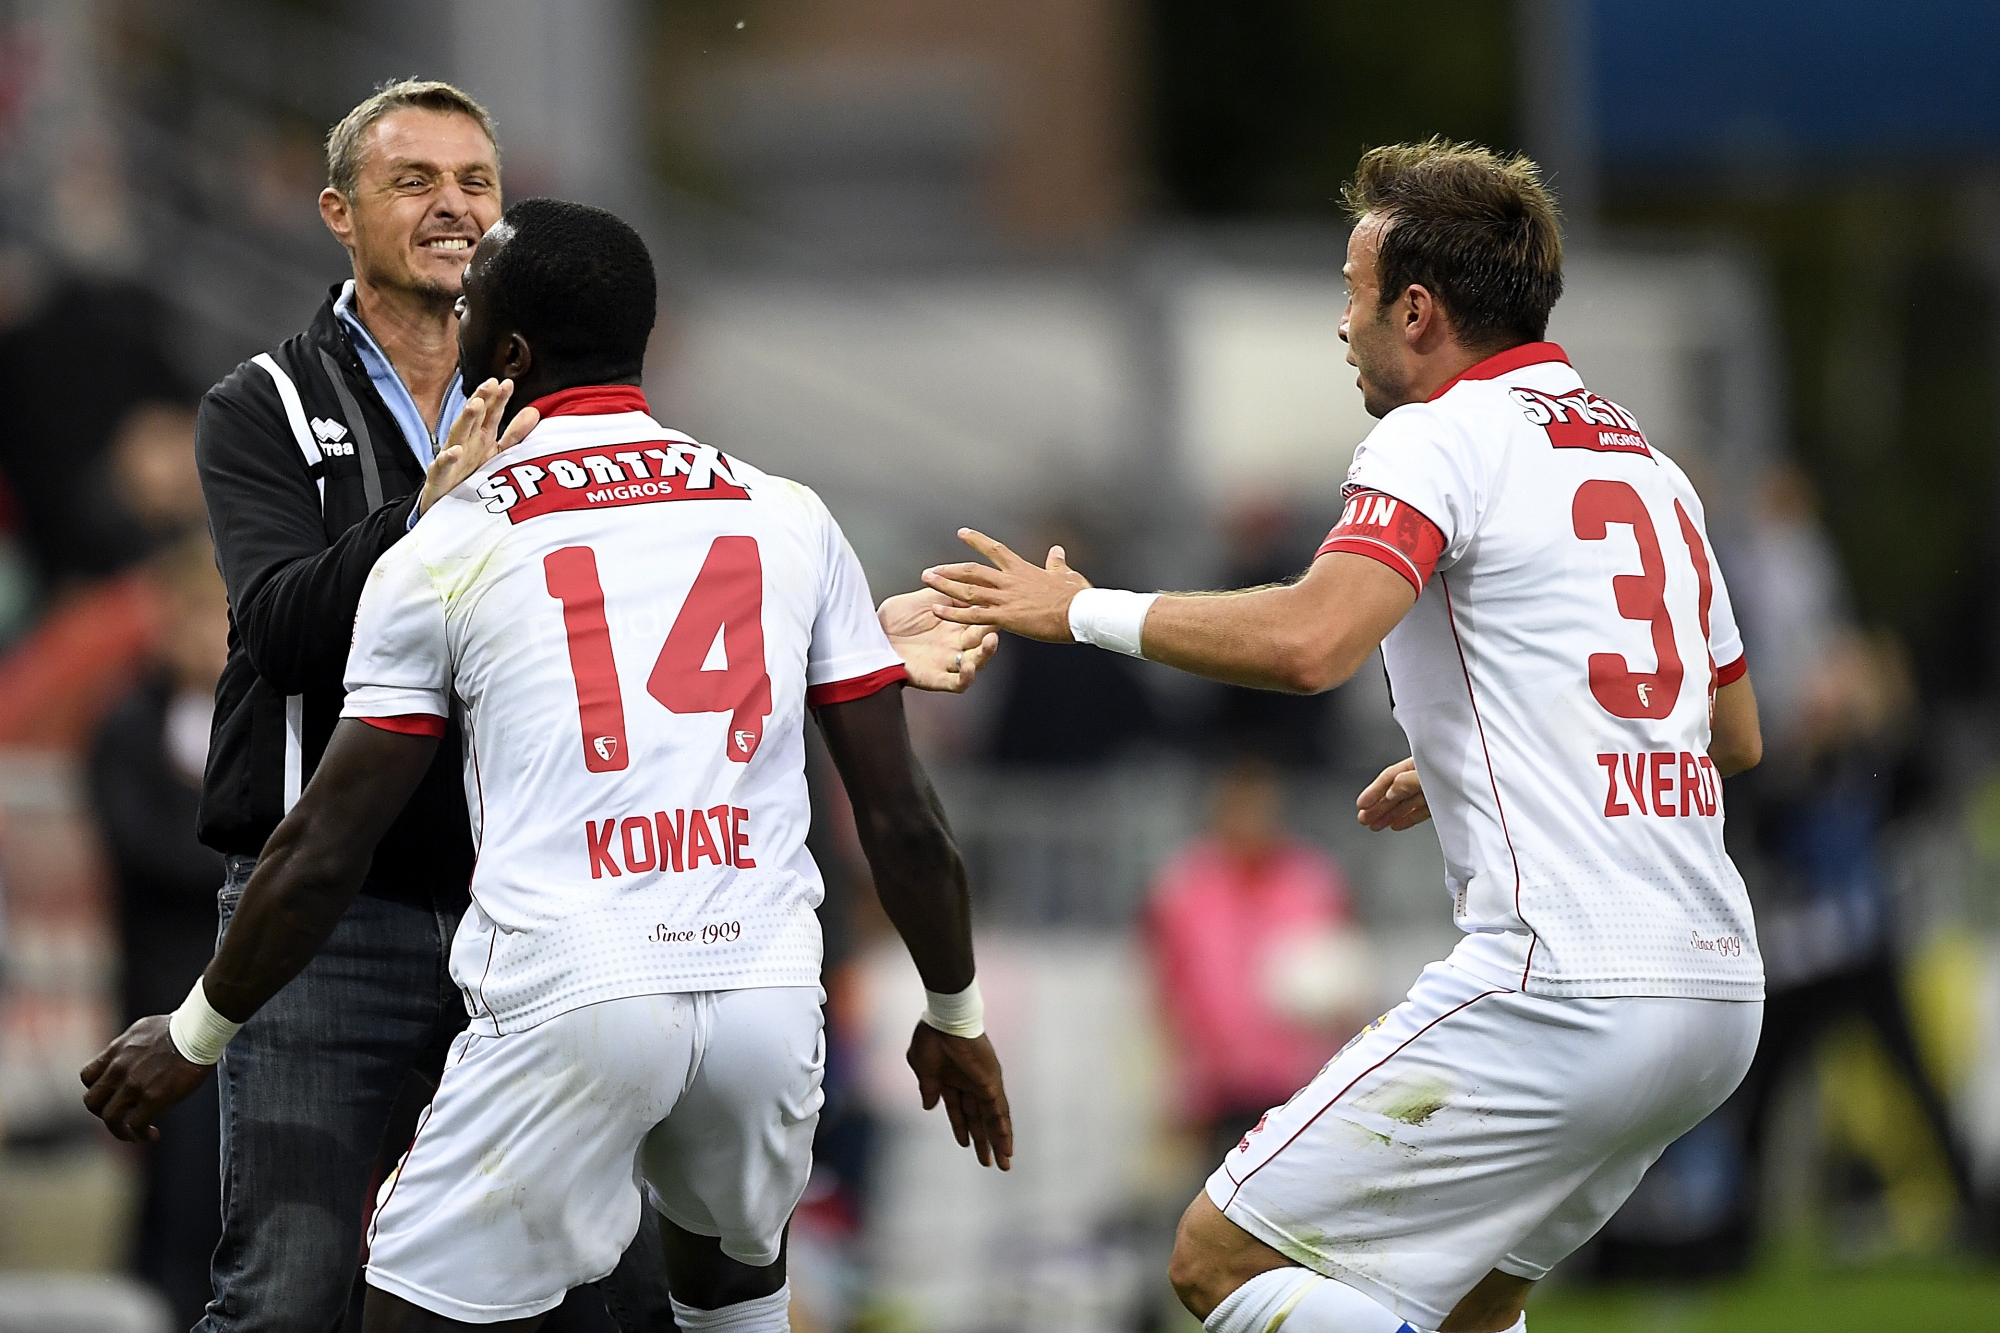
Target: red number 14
(727,600)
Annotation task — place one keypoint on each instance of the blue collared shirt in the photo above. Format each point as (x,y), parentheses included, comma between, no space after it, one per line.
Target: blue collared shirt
(423,442)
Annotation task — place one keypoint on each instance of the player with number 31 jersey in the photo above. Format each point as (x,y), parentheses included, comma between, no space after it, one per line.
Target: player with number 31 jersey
(1562,655)
(647,682)
(1555,678)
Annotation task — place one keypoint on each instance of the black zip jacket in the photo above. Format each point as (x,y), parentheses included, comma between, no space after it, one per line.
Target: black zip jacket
(308,481)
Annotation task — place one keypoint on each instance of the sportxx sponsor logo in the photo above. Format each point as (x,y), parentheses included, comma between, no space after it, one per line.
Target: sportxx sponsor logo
(611,476)
(1582,420)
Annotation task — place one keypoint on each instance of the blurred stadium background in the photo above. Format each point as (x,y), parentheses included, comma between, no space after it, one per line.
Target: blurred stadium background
(1069,270)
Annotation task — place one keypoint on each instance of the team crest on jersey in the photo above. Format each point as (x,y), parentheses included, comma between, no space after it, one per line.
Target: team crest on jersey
(610,477)
(1582,420)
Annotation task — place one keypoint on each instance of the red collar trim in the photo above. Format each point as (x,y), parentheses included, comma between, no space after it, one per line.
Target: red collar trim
(590,400)
(1493,367)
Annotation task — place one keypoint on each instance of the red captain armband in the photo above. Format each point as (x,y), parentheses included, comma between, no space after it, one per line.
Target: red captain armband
(1383,528)
(1730,674)
(410,724)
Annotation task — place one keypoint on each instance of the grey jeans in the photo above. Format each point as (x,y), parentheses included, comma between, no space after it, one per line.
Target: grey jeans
(307,1088)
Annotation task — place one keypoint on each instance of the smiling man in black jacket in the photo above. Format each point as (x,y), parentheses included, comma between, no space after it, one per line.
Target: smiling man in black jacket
(313,461)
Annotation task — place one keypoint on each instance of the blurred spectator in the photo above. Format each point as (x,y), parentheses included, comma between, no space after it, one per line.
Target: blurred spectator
(77,368)
(1836,737)
(152,468)
(1063,704)
(56,684)
(1790,599)
(1294,730)
(145,780)
(1258,971)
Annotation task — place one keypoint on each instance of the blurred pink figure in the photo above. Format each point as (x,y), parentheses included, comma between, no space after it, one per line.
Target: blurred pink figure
(1225,913)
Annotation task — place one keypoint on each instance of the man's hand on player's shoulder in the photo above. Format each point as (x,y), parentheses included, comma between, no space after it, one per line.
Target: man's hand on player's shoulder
(1394,800)
(940,655)
(139,1075)
(1011,593)
(964,1073)
(475,438)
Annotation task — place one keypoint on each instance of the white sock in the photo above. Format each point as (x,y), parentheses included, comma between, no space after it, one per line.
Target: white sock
(1300,1301)
(766,1314)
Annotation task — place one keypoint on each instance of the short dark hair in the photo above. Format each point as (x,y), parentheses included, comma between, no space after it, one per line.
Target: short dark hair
(1475,229)
(343,141)
(577,283)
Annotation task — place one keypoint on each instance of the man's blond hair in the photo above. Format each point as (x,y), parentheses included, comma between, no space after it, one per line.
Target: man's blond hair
(343,143)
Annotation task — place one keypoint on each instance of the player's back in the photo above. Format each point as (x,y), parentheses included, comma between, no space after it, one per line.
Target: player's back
(1555,679)
(634,626)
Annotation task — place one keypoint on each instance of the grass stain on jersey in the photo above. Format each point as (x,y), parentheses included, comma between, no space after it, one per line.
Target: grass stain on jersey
(460,573)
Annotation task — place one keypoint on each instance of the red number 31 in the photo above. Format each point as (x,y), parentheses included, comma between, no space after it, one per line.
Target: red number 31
(1622,691)
(727,599)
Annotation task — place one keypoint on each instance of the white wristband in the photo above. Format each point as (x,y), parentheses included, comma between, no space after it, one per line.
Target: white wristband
(199,1032)
(960,1015)
(1110,618)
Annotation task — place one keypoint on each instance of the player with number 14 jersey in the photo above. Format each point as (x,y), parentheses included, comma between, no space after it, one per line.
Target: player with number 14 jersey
(648,685)
(629,627)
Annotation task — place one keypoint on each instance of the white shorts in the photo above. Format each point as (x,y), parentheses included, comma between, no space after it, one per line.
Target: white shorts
(524,1177)
(1473,1128)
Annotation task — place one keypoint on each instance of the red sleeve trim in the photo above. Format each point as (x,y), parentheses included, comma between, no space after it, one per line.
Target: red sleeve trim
(1386,529)
(1378,551)
(1735,671)
(410,724)
(857,687)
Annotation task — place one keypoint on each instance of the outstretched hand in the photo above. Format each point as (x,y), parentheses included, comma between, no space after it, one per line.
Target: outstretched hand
(474,440)
(139,1075)
(1394,800)
(964,1073)
(1011,593)
(940,655)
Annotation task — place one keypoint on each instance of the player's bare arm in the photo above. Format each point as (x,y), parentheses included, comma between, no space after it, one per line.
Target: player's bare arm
(1302,637)
(309,872)
(940,655)
(1736,742)
(921,882)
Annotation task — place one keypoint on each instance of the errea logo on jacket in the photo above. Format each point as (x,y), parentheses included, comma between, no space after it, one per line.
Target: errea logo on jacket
(610,476)
(332,437)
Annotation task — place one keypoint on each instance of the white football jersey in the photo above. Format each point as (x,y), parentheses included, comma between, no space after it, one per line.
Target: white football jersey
(1556,679)
(631,626)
